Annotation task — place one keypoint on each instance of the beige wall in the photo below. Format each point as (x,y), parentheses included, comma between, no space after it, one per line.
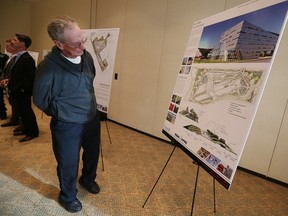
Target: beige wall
(15,17)
(32,19)
(152,40)
(44,11)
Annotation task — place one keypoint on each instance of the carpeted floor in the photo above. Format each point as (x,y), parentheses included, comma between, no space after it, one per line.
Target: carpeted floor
(132,164)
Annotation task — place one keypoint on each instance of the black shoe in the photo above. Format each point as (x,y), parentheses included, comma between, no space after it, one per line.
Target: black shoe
(19,128)
(19,133)
(7,124)
(3,116)
(27,138)
(73,206)
(92,188)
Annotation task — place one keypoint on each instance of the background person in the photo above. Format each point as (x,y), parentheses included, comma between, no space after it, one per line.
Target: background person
(15,118)
(64,90)
(3,109)
(19,82)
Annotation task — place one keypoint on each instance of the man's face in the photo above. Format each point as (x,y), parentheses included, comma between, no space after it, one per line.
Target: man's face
(18,45)
(9,47)
(73,46)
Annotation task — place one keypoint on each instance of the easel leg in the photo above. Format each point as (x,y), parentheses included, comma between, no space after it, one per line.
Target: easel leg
(101,155)
(195,187)
(214,191)
(108,132)
(159,176)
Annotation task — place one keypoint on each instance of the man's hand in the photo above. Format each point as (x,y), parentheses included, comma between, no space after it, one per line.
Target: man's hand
(4,83)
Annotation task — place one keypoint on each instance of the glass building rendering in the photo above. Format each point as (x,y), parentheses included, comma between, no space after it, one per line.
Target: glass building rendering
(245,41)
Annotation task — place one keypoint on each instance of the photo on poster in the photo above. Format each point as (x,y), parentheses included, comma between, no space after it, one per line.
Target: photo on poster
(251,37)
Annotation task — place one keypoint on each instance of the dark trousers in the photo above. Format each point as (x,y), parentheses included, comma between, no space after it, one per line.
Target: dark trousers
(67,139)
(2,103)
(27,114)
(15,116)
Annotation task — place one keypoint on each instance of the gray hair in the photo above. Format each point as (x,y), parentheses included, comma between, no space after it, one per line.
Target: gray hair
(56,27)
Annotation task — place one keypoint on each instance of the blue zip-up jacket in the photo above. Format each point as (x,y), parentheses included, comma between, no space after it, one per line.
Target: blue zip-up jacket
(64,90)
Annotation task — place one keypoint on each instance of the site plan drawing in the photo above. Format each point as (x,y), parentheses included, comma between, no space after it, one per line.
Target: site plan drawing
(102,45)
(212,85)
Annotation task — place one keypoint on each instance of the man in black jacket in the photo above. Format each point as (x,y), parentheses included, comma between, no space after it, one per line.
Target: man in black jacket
(3,60)
(15,118)
(20,83)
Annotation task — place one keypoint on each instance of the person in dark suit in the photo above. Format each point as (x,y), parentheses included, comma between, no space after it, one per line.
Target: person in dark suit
(15,118)
(20,86)
(3,109)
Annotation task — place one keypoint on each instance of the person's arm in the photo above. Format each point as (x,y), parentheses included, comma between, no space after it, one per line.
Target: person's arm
(42,90)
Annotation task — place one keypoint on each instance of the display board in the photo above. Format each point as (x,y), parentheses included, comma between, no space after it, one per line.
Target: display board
(45,52)
(35,56)
(102,44)
(220,82)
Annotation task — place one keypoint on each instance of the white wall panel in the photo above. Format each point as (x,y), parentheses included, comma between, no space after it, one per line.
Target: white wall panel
(111,14)
(139,55)
(278,168)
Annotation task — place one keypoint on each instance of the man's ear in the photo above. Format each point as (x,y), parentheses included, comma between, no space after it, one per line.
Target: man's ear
(58,44)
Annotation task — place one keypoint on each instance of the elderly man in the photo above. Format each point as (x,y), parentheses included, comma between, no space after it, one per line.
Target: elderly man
(64,90)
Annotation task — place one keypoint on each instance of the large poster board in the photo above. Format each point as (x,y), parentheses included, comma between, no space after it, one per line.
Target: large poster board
(220,83)
(35,56)
(102,44)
